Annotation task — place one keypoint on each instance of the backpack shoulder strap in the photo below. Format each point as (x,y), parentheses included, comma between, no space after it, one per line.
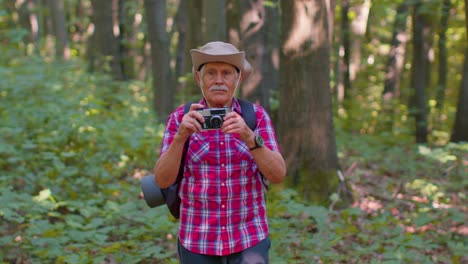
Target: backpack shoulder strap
(184,152)
(187,107)
(248,113)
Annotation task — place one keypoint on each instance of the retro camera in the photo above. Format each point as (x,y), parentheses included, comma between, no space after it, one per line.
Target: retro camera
(214,117)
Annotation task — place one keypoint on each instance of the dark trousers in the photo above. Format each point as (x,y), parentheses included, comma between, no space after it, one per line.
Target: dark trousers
(257,254)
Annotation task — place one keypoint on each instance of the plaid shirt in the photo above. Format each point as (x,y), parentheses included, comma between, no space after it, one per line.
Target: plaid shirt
(223,197)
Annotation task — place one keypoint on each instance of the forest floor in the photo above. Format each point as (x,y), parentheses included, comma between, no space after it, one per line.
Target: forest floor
(74,147)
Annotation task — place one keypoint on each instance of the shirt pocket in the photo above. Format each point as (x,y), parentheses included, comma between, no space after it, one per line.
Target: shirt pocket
(199,148)
(242,151)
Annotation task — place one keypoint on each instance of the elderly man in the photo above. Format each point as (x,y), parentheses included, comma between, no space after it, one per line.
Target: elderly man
(223,208)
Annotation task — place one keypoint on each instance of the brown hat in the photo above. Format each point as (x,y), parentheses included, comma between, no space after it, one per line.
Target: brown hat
(218,51)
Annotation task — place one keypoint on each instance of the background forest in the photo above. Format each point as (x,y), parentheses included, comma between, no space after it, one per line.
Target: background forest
(369,99)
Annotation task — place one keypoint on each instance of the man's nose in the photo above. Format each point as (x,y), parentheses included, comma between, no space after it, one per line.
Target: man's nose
(219,78)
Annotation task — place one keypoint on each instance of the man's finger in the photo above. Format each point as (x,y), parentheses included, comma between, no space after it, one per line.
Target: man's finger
(196,106)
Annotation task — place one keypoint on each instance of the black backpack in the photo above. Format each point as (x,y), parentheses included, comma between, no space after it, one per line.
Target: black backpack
(171,194)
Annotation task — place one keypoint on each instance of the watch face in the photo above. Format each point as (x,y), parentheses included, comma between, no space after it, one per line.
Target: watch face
(259,141)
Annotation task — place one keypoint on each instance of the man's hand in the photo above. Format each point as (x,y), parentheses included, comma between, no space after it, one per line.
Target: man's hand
(234,123)
(191,122)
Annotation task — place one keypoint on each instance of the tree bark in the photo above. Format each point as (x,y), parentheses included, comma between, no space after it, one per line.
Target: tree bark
(460,128)
(343,84)
(305,116)
(194,39)
(62,49)
(358,29)
(396,57)
(251,20)
(105,47)
(28,19)
(270,56)
(419,72)
(181,25)
(163,88)
(442,82)
(214,15)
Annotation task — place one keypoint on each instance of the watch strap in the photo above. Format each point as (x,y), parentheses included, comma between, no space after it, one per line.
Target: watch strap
(256,147)
(257,144)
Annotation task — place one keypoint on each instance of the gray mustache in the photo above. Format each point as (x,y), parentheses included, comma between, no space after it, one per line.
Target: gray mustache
(218,88)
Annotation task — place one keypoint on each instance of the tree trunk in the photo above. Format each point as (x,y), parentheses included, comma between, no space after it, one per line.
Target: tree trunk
(358,29)
(136,46)
(251,17)
(28,19)
(270,56)
(394,69)
(193,12)
(62,50)
(163,88)
(105,48)
(396,57)
(419,72)
(305,117)
(442,82)
(181,24)
(126,40)
(460,128)
(214,15)
(343,84)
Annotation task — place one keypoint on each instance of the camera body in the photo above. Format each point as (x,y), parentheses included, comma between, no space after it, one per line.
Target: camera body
(214,117)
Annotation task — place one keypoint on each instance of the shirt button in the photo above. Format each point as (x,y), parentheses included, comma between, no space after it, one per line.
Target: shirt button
(222,165)
(222,143)
(222,206)
(222,184)
(223,227)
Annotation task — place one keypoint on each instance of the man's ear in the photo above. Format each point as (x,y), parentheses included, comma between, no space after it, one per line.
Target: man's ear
(239,79)
(197,77)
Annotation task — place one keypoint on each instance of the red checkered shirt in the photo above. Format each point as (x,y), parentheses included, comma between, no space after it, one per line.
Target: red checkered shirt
(223,196)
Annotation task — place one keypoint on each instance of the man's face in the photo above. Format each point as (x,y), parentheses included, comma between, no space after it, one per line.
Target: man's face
(218,82)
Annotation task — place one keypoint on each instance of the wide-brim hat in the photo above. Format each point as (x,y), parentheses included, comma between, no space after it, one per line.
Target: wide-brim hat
(218,51)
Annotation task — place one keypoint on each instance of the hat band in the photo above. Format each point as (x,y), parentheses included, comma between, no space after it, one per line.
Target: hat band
(201,66)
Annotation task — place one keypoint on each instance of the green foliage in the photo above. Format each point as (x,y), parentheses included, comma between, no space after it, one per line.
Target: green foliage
(75,145)
(72,150)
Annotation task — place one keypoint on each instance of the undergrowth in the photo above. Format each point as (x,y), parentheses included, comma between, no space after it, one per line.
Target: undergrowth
(74,147)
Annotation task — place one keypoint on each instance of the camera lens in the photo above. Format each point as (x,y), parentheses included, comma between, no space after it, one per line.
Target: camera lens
(216,121)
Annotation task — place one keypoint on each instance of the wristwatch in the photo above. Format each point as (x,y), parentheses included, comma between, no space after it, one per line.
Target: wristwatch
(259,142)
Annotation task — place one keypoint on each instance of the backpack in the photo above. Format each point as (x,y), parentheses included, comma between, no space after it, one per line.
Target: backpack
(171,194)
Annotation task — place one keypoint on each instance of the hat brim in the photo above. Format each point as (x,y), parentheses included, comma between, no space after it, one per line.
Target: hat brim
(236,59)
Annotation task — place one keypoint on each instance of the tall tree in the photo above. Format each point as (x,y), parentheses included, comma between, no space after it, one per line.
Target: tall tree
(305,116)
(358,30)
(255,34)
(460,128)
(343,79)
(396,56)
(28,18)
(270,54)
(163,87)
(194,37)
(104,53)
(126,39)
(180,22)
(442,82)
(420,70)
(214,15)
(62,49)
